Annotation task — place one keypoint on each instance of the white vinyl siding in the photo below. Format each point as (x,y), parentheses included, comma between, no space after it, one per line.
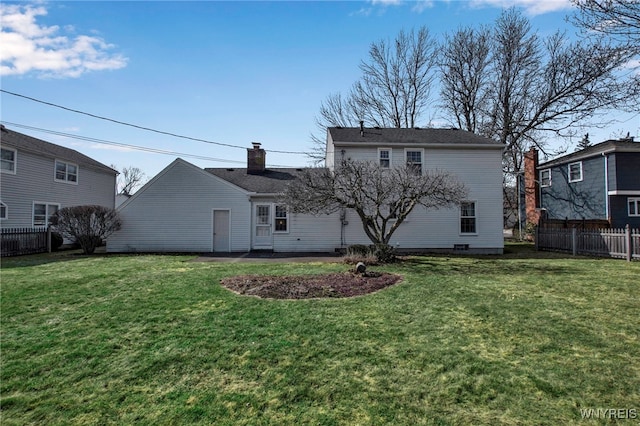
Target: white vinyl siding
(173,212)
(8,159)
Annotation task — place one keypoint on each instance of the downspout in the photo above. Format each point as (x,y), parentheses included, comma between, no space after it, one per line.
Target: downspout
(606,186)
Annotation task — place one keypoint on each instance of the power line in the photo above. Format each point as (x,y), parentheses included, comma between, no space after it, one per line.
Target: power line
(142,127)
(124,145)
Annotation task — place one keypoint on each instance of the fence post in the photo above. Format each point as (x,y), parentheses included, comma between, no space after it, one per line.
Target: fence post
(574,241)
(48,238)
(627,242)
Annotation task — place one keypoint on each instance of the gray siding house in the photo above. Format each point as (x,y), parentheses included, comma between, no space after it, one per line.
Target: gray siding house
(38,178)
(600,182)
(188,209)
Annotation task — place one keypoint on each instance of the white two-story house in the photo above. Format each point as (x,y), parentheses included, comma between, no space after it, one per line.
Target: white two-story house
(188,209)
(37,178)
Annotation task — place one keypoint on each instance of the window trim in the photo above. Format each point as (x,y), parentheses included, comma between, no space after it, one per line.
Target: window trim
(15,161)
(421,151)
(474,217)
(389,150)
(636,201)
(4,206)
(542,185)
(275,218)
(66,172)
(47,216)
(579,163)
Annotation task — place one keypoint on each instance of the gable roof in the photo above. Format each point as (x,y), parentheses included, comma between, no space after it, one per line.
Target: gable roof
(28,143)
(403,136)
(612,145)
(271,181)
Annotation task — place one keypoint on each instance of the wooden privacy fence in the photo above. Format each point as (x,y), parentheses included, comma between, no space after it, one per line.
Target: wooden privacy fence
(17,241)
(623,242)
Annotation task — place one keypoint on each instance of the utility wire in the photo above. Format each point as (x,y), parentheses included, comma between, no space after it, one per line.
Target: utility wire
(142,127)
(124,145)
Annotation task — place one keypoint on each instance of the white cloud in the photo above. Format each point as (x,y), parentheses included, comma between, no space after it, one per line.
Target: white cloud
(531,7)
(30,47)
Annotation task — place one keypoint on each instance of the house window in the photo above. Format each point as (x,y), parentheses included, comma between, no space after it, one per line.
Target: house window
(3,210)
(545,177)
(384,156)
(42,213)
(575,172)
(414,161)
(281,218)
(8,160)
(468,217)
(66,172)
(634,206)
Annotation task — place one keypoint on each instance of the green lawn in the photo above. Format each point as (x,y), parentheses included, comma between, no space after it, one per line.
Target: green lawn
(518,339)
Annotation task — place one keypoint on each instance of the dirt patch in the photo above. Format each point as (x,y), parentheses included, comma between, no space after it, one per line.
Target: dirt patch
(346,284)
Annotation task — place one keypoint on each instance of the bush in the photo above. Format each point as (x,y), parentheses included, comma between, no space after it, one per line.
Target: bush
(383,252)
(87,225)
(56,240)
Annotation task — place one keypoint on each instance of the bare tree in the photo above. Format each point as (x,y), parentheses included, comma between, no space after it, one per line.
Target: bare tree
(86,225)
(382,198)
(617,19)
(542,86)
(464,75)
(393,91)
(129,180)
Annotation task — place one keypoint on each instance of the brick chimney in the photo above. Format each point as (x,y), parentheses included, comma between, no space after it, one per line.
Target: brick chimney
(531,186)
(256,159)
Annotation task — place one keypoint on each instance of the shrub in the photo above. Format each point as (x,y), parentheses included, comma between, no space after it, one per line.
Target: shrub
(383,252)
(56,240)
(87,225)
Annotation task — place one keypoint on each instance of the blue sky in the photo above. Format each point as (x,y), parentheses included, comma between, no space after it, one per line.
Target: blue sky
(225,72)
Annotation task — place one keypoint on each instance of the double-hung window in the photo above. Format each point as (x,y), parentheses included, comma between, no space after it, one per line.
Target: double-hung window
(42,213)
(3,211)
(634,206)
(66,172)
(545,177)
(384,157)
(468,217)
(281,218)
(575,172)
(414,160)
(8,160)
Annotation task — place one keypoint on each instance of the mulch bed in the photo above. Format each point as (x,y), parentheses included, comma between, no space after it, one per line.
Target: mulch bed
(346,284)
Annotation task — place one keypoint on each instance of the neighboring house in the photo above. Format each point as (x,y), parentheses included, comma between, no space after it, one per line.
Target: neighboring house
(600,182)
(185,208)
(38,178)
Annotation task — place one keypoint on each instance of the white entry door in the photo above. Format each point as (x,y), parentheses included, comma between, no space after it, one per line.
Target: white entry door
(221,231)
(262,238)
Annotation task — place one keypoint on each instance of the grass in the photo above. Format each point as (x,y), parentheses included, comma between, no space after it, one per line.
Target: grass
(524,338)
